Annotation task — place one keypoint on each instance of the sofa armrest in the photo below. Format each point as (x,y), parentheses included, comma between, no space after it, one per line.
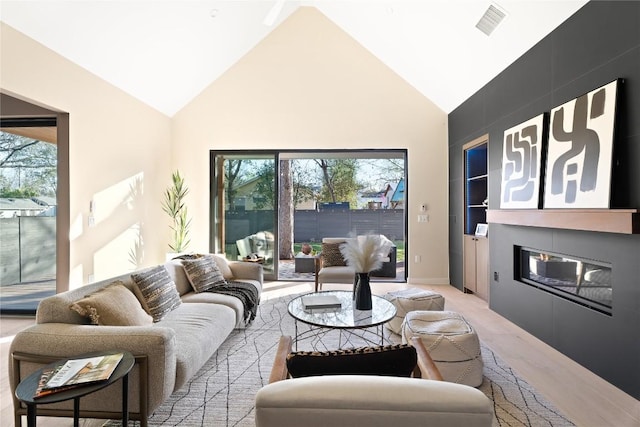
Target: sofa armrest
(49,341)
(279,370)
(426,367)
(347,400)
(246,270)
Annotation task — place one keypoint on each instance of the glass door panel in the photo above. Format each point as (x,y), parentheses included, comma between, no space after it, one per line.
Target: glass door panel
(244,206)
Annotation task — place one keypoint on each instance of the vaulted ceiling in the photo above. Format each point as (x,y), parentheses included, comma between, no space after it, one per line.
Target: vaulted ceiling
(165,52)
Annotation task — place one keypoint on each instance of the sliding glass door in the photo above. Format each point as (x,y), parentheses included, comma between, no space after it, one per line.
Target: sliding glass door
(244,215)
(269,206)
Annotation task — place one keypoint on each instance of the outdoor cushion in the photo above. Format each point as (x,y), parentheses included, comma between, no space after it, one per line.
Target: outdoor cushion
(331,255)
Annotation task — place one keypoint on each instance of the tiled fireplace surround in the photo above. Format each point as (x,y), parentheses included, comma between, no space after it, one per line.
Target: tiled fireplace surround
(606,344)
(599,43)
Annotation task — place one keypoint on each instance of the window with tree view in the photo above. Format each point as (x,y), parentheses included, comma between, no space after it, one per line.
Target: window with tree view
(28,203)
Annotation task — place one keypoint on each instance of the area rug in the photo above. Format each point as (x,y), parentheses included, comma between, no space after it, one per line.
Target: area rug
(222,393)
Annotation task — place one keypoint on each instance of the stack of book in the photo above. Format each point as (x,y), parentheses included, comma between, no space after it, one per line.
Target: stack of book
(77,372)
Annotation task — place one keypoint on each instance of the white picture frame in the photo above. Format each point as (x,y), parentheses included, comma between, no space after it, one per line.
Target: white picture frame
(522,166)
(580,151)
(482,230)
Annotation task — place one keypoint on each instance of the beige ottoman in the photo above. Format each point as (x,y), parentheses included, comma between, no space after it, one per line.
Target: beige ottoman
(451,341)
(406,300)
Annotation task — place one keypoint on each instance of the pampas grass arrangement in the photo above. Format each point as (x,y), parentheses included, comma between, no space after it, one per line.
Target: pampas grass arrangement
(366,253)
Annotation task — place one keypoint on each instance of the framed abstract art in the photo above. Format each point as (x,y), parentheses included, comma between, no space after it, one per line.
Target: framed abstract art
(580,151)
(522,164)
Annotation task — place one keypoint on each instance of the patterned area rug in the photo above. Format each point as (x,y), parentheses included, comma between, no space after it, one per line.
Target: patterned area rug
(222,393)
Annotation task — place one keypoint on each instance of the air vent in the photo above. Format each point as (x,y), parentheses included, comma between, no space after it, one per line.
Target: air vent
(491,19)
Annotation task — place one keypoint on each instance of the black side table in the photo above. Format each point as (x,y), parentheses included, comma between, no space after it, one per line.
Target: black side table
(27,388)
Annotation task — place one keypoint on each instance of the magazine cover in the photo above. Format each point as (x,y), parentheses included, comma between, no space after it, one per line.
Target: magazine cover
(77,372)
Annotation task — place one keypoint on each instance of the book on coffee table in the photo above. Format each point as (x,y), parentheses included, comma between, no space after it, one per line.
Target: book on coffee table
(310,302)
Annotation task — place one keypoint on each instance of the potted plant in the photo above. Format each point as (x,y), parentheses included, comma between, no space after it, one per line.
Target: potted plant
(173,205)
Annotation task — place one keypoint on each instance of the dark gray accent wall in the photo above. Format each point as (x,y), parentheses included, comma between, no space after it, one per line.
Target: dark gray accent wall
(599,43)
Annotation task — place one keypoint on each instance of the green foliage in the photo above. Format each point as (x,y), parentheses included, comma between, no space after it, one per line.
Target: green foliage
(339,180)
(264,186)
(18,193)
(173,205)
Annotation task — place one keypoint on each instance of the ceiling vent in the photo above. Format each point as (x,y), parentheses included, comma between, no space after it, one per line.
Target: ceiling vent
(491,19)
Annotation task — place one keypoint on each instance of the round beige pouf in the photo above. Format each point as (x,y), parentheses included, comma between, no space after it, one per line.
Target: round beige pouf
(452,343)
(406,300)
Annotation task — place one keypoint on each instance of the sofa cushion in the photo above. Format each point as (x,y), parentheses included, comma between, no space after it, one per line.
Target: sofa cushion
(398,360)
(203,273)
(156,291)
(176,272)
(113,305)
(223,265)
(200,329)
(331,255)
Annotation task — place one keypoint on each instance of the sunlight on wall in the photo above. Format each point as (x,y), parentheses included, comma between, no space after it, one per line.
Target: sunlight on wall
(75,230)
(76,277)
(123,194)
(121,250)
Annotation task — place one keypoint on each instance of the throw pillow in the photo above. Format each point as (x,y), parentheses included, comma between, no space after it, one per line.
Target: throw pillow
(157,291)
(398,360)
(223,265)
(113,305)
(203,273)
(331,255)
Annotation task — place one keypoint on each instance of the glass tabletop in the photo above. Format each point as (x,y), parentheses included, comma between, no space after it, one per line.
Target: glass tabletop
(346,316)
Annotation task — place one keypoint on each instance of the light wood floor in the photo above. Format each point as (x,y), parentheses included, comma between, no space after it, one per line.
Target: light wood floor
(583,397)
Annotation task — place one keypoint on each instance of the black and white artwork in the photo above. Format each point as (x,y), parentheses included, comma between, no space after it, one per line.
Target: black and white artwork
(521,165)
(580,150)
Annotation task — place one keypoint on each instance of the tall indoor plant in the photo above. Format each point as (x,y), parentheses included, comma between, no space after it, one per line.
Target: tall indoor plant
(173,205)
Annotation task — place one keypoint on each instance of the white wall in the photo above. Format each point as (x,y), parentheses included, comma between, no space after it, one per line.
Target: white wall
(118,155)
(310,85)
(307,85)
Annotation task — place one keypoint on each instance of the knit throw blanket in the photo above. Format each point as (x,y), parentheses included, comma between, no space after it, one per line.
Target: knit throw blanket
(245,292)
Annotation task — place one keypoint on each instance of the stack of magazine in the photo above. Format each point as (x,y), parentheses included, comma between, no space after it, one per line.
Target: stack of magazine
(77,372)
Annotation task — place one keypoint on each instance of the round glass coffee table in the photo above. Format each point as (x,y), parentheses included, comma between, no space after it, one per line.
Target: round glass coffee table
(346,319)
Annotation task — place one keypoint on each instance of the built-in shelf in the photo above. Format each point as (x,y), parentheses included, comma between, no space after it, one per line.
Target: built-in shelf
(625,221)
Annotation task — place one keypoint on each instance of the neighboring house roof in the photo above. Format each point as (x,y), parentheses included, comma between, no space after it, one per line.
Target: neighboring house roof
(45,200)
(398,194)
(13,204)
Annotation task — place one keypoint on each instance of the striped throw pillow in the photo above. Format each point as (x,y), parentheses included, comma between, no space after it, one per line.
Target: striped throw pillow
(156,291)
(203,273)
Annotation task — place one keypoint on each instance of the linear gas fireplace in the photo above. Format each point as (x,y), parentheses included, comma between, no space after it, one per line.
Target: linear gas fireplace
(586,282)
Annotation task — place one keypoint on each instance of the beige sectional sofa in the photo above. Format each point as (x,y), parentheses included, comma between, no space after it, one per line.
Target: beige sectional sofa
(168,352)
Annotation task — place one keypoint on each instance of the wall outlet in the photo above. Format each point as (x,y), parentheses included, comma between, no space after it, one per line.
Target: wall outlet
(423,218)
(90,278)
(496,276)
(417,258)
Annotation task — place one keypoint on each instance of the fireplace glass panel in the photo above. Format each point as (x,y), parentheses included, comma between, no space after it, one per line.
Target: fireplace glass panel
(584,281)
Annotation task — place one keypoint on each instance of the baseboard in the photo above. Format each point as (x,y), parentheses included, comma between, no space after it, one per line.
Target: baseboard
(438,281)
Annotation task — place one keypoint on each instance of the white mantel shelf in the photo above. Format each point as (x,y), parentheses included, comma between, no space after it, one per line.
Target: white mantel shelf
(624,221)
